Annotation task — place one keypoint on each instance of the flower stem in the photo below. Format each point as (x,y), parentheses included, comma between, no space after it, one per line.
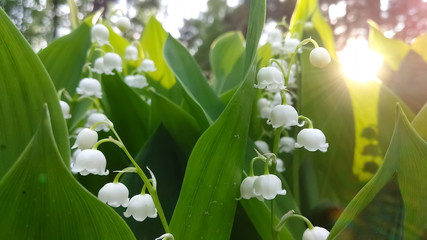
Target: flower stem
(308,120)
(289,215)
(128,169)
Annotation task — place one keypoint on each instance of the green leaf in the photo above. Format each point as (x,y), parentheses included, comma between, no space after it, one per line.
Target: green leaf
(392,51)
(419,45)
(129,113)
(200,96)
(419,122)
(207,202)
(42,200)
(306,11)
(152,41)
(183,127)
(264,55)
(65,57)
(74,11)
(224,55)
(24,87)
(405,161)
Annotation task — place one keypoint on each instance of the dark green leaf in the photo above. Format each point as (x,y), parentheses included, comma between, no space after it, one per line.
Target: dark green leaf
(24,87)
(42,200)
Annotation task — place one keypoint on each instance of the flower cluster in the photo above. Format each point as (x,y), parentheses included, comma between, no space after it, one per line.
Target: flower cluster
(262,187)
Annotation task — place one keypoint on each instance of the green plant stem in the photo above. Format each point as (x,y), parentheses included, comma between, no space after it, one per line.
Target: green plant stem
(295,175)
(153,192)
(308,120)
(128,169)
(292,215)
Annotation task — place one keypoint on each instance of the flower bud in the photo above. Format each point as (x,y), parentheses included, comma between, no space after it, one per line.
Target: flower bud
(283,116)
(317,233)
(65,109)
(123,23)
(136,81)
(89,87)
(271,79)
(140,207)
(286,144)
(100,34)
(86,139)
(319,57)
(114,194)
(263,146)
(131,53)
(312,139)
(280,166)
(90,161)
(147,65)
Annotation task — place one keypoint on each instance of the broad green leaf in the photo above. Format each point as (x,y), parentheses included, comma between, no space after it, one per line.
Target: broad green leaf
(264,55)
(207,201)
(392,51)
(152,41)
(129,113)
(420,124)
(224,55)
(24,87)
(199,95)
(405,161)
(410,81)
(309,11)
(420,45)
(65,57)
(167,161)
(181,126)
(42,200)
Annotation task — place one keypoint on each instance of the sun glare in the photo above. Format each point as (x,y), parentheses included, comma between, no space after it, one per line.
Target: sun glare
(359,62)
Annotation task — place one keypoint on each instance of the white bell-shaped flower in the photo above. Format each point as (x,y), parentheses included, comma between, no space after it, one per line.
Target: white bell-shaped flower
(98,117)
(274,35)
(166,236)
(247,190)
(136,81)
(140,207)
(283,116)
(317,233)
(74,157)
(286,144)
(277,100)
(147,65)
(123,23)
(265,112)
(86,139)
(99,66)
(131,53)
(112,61)
(90,161)
(100,34)
(262,103)
(114,194)
(319,57)
(263,146)
(276,48)
(65,109)
(312,139)
(271,79)
(290,45)
(280,166)
(89,87)
(268,187)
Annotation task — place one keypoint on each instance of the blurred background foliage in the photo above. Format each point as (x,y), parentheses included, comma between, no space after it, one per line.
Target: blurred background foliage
(41,21)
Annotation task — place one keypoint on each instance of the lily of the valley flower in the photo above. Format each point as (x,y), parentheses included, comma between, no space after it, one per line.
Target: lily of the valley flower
(114,194)
(65,109)
(136,81)
(268,187)
(263,146)
(290,45)
(90,161)
(100,34)
(271,79)
(286,144)
(166,236)
(98,117)
(317,233)
(283,116)
(319,57)
(99,66)
(247,190)
(131,53)
(264,107)
(312,139)
(274,35)
(89,87)
(86,139)
(148,65)
(140,207)
(123,23)
(280,166)
(112,61)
